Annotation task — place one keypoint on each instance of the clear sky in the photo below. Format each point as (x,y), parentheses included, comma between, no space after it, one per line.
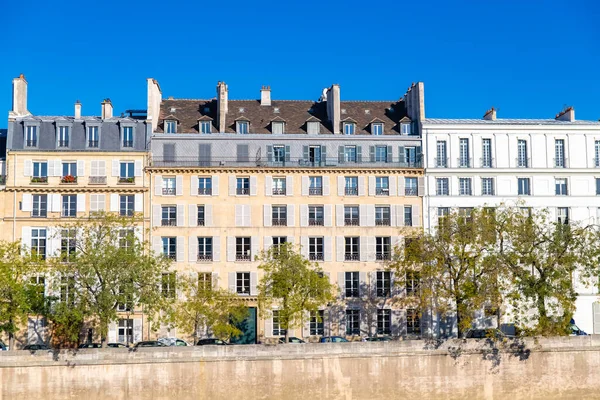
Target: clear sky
(528,58)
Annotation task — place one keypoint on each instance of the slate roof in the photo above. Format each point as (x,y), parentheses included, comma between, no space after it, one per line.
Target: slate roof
(507,121)
(295,113)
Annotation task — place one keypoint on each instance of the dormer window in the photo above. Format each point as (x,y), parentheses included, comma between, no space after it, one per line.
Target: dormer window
(170,126)
(377,128)
(313,127)
(277,127)
(63,136)
(31,136)
(127,136)
(242,127)
(205,126)
(405,128)
(349,128)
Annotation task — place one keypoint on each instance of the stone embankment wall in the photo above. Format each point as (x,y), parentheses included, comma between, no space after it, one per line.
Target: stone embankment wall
(558,368)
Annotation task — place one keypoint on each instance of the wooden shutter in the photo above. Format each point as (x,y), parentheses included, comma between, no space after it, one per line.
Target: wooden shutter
(232,182)
(137,168)
(27,202)
(215,185)
(305,185)
(339,215)
(401,191)
(327,249)
(362,215)
(180,214)
(231,281)
(392,184)
(253,283)
(371,186)
(28,168)
(114,202)
(158,184)
(361,186)
(339,248)
(328,215)
(421,189)
(208,215)
(303,215)
(192,249)
(291,215)
(268,185)
(289,185)
(138,202)
(81,202)
(325,186)
(341,185)
(416,215)
(115,168)
(156,215)
(253,186)
(180,249)
(216,249)
(179,185)
(230,248)
(194,185)
(193,215)
(80,167)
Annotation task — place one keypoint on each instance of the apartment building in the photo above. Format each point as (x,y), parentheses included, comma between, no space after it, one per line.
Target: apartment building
(339,179)
(59,168)
(545,163)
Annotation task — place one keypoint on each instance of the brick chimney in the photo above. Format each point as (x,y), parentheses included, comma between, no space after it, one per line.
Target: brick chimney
(19,103)
(490,115)
(107,109)
(222,94)
(77,109)
(333,107)
(568,114)
(265,96)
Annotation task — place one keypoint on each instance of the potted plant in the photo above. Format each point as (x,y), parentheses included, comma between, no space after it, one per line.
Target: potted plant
(69,179)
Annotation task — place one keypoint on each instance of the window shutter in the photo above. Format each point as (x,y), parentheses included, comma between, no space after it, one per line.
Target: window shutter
(267,215)
(328,215)
(359,154)
(193,249)
(362,283)
(270,153)
(57,168)
(28,168)
(139,202)
(267,243)
(389,155)
(362,215)
(54,202)
(81,203)
(254,247)
(112,332)
(416,215)
(418,154)
(156,215)
(305,153)
(306,325)
(232,182)
(327,249)
(247,215)
(239,219)
(339,215)
(158,185)
(269,325)
(27,203)
(157,245)
(216,248)
(231,282)
(304,246)
(26,237)
(137,330)
(399,215)
(370,215)
(392,184)
(179,185)
(214,277)
(101,168)
(287,154)
(401,191)
(137,168)
(341,185)
(208,215)
(340,154)
(361,186)
(372,153)
(114,202)
(194,185)
(363,246)
(193,215)
(371,248)
(268,185)
(325,186)
(80,167)
(339,248)
(180,249)
(323,155)
(115,168)
(342,284)
(421,183)
(303,215)
(289,185)
(371,186)
(305,185)
(215,185)
(180,214)
(253,186)
(291,215)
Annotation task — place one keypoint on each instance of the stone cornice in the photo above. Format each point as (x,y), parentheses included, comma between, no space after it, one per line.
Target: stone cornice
(283,170)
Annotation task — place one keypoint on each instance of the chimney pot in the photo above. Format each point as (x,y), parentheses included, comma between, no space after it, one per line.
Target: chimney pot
(19,104)
(265,96)
(77,109)
(107,109)
(490,115)
(568,114)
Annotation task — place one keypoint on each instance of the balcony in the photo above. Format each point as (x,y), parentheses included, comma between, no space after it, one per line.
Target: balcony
(561,163)
(205,257)
(205,191)
(315,191)
(351,191)
(487,162)
(63,143)
(242,257)
(68,179)
(382,191)
(383,292)
(382,222)
(93,144)
(168,222)
(31,143)
(97,180)
(383,256)
(408,222)
(411,191)
(522,162)
(39,179)
(464,162)
(128,143)
(128,180)
(351,222)
(278,191)
(596,162)
(242,191)
(351,292)
(171,256)
(168,191)
(441,162)
(351,257)
(201,222)
(315,256)
(279,222)
(316,222)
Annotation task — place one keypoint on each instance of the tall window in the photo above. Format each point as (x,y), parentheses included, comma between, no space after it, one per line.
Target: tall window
(413,322)
(205,249)
(279,215)
(125,330)
(242,127)
(278,241)
(597,153)
(201,215)
(67,245)
(350,154)
(410,156)
(522,160)
(405,129)
(559,153)
(384,283)
(315,248)
(242,249)
(93,137)
(127,136)
(441,160)
(31,136)
(413,280)
(410,186)
(523,187)
(351,186)
(381,154)
(40,172)
(67,289)
(69,169)
(377,129)
(126,174)
(38,243)
(277,329)
(169,247)
(279,186)
(126,205)
(316,323)
(464,186)
(205,127)
(69,205)
(442,213)
(597,186)
(562,215)
(442,186)
(351,217)
(242,282)
(169,186)
(315,186)
(63,136)
(463,149)
(243,186)
(126,239)
(487,186)
(408,220)
(384,322)
(351,249)
(382,215)
(168,285)
(40,205)
(352,281)
(561,186)
(313,127)
(204,186)
(352,322)
(349,128)
(383,248)
(171,126)
(279,154)
(486,153)
(204,281)
(382,186)
(315,216)
(169,216)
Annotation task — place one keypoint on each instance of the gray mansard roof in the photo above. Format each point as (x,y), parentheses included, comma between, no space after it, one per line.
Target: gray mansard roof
(506,121)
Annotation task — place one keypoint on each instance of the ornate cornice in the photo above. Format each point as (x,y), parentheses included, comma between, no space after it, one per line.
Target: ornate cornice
(283,170)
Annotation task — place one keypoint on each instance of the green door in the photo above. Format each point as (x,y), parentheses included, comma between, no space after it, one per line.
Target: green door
(248,328)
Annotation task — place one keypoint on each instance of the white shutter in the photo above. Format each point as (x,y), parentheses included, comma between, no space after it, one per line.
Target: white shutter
(253,283)
(247,217)
(401,191)
(371,186)
(267,215)
(341,281)
(393,216)
(194,185)
(305,185)
(231,281)
(114,202)
(193,215)
(306,325)
(137,330)
(216,248)
(370,248)
(215,185)
(370,221)
(158,185)
(363,247)
(55,202)
(289,185)
(253,186)
(157,245)
(421,187)
(27,203)
(268,185)
(269,325)
(303,215)
(399,215)
(81,203)
(339,248)
(57,168)
(325,182)
(208,215)
(28,168)
(180,249)
(179,185)
(80,167)
(156,215)
(239,217)
(304,246)
(26,237)
(328,215)
(230,248)
(137,168)
(115,168)
(327,249)
(101,168)
(392,184)
(180,214)
(361,186)
(362,283)
(267,243)
(397,322)
(339,215)
(341,185)
(232,182)
(254,247)
(138,202)
(215,279)
(416,215)
(53,239)
(192,249)
(291,215)
(112,332)
(362,214)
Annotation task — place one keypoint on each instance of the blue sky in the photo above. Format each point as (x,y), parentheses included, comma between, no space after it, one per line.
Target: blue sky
(527,58)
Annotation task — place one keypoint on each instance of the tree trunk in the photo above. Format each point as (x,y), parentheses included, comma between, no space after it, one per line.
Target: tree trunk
(11,341)
(543,320)
(459,319)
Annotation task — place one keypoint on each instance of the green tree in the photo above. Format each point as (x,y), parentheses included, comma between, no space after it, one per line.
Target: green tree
(207,309)
(292,283)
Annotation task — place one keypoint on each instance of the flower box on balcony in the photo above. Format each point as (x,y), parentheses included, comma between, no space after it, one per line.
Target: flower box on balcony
(68,179)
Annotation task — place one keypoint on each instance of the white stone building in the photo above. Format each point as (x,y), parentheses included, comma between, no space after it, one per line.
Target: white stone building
(547,163)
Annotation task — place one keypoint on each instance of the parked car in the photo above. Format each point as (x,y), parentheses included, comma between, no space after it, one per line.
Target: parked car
(575,331)
(291,339)
(3,347)
(117,345)
(90,346)
(35,347)
(173,342)
(491,333)
(378,339)
(333,339)
(150,343)
(211,341)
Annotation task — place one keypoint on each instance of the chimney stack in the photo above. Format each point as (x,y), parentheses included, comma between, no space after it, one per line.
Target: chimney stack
(19,104)
(154,100)
(334,108)
(265,96)
(77,109)
(222,93)
(490,115)
(107,109)
(568,114)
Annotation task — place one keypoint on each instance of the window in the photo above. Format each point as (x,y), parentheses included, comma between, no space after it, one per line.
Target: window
(597,153)
(351,186)
(522,160)
(128,136)
(413,281)
(463,160)
(382,216)
(562,215)
(125,331)
(382,186)
(67,245)
(405,129)
(410,156)
(242,127)
(487,186)
(40,172)
(69,172)
(413,322)
(352,282)
(384,322)
(464,186)
(313,127)
(486,153)
(381,154)
(408,216)
(597,186)
(317,327)
(278,241)
(67,289)
(315,186)
(242,282)
(204,186)
(126,172)
(523,185)
(442,212)
(351,249)
(410,187)
(126,239)
(38,243)
(352,322)
(169,186)
(383,248)
(279,154)
(561,186)
(169,216)
(204,281)
(384,283)
(205,127)
(242,249)
(277,329)
(315,216)
(39,284)
(559,153)
(69,205)
(31,136)
(63,136)
(279,186)
(277,127)
(441,160)
(170,126)
(349,128)
(169,247)
(314,155)
(350,154)
(201,216)
(441,187)
(93,136)
(126,205)
(351,217)
(205,249)
(243,186)
(315,248)
(279,215)
(40,205)
(377,129)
